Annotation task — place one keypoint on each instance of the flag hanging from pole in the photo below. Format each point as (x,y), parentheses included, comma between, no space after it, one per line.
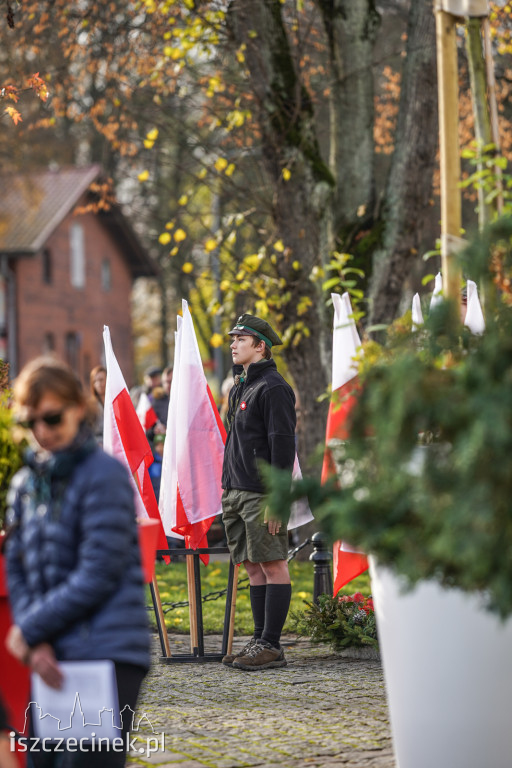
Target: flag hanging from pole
(124,438)
(145,412)
(347,562)
(190,490)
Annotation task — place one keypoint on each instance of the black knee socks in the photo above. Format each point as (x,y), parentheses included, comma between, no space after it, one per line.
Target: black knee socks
(277,603)
(257,595)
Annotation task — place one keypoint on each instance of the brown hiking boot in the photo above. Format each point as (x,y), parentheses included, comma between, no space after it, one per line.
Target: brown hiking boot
(262,655)
(229,658)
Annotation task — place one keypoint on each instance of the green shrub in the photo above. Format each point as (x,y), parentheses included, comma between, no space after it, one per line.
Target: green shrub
(344,621)
(426,477)
(10,450)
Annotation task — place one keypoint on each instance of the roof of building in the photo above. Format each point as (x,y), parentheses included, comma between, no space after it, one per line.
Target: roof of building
(32,205)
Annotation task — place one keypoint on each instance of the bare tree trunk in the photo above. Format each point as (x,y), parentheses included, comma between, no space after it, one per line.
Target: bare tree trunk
(286,119)
(351,28)
(409,184)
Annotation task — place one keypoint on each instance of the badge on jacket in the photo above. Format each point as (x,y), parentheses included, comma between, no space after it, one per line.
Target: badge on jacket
(243,405)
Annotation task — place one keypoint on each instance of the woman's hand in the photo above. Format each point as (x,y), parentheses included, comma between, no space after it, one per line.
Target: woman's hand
(16,645)
(42,660)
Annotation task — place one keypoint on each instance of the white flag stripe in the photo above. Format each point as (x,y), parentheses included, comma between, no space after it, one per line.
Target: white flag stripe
(437,296)
(300,513)
(169,481)
(417,314)
(193,461)
(346,341)
(474,316)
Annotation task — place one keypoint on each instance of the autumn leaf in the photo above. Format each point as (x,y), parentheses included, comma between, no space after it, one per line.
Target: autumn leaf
(220,164)
(187,267)
(144,176)
(210,245)
(164,238)
(216,340)
(13,114)
(180,235)
(39,86)
(10,92)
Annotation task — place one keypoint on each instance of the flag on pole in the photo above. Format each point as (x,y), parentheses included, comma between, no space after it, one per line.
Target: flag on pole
(417,314)
(124,438)
(474,319)
(190,490)
(437,295)
(145,412)
(347,562)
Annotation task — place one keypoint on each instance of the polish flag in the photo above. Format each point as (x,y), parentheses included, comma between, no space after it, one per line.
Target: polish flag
(347,562)
(146,413)
(124,438)
(190,489)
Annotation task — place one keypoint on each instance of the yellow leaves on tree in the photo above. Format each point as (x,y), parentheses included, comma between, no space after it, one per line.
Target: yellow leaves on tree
(210,245)
(216,340)
(13,114)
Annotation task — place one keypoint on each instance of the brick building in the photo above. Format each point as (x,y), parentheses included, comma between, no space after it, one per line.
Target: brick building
(65,272)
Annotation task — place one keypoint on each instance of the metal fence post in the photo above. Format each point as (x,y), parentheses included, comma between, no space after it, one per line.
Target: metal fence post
(321,558)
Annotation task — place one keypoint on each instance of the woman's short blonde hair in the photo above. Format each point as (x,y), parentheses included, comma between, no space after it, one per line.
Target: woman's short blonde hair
(47,374)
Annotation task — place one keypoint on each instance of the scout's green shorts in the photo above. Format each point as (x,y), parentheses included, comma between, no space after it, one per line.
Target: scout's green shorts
(247,535)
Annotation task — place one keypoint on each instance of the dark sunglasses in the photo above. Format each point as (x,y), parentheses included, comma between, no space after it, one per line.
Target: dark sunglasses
(50,419)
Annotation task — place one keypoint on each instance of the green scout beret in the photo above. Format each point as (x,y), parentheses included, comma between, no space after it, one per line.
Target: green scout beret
(255,326)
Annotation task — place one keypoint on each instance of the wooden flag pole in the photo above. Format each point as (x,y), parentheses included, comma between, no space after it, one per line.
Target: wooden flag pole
(448,87)
(234,591)
(192,607)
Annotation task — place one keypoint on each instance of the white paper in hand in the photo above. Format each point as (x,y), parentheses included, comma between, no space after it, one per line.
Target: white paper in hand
(86,704)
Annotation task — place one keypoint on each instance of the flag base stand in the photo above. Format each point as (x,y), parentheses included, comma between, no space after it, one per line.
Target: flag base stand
(198,655)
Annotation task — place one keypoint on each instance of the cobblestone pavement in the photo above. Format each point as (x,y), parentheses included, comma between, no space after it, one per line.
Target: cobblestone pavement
(322,711)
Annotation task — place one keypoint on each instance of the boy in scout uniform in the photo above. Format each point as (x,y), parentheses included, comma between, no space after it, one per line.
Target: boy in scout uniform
(261,424)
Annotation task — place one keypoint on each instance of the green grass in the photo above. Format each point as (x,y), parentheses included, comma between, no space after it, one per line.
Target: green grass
(172,585)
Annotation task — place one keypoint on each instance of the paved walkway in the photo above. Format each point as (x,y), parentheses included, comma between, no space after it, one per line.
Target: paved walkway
(322,710)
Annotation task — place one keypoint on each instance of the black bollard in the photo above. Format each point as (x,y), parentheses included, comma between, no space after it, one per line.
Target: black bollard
(321,558)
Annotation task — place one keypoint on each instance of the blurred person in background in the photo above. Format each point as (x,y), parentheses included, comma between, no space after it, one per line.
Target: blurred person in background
(98,382)
(73,563)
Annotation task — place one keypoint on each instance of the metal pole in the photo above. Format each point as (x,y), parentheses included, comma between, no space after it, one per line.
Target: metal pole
(160,618)
(199,605)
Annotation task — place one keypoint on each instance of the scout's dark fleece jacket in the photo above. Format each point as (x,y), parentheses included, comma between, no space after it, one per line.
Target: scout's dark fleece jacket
(261,426)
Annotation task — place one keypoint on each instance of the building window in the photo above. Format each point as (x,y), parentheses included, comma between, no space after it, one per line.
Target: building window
(47,266)
(77,253)
(106,275)
(73,350)
(48,343)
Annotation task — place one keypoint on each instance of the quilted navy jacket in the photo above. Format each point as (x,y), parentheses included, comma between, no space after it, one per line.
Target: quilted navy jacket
(73,562)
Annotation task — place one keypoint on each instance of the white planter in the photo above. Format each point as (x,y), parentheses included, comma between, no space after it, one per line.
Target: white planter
(448,671)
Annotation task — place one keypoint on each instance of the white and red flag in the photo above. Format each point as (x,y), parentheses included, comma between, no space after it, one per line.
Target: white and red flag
(347,562)
(190,489)
(145,412)
(124,438)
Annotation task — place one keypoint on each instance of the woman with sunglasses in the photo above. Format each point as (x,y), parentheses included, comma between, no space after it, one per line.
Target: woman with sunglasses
(73,563)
